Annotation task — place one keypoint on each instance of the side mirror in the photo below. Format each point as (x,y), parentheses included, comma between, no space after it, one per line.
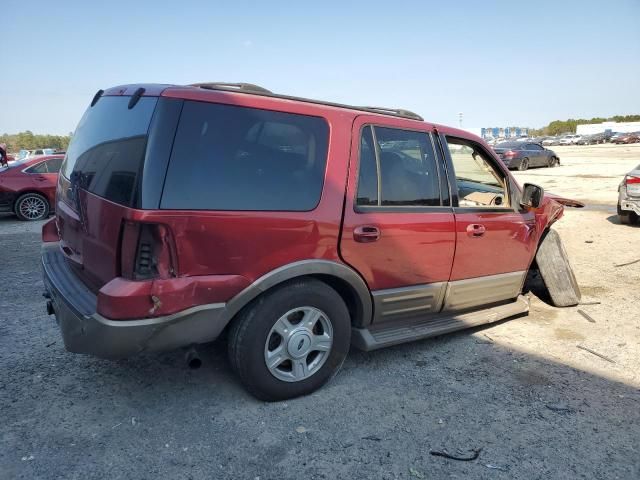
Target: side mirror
(531,195)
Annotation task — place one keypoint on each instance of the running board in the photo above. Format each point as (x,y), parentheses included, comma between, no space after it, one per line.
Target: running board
(394,333)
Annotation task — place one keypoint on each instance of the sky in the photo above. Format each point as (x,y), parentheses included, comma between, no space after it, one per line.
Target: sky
(499,63)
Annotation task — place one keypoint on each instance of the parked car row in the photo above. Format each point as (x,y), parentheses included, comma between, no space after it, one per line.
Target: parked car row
(624,138)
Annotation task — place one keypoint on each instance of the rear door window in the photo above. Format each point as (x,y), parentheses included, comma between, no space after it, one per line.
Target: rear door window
(237,158)
(397,168)
(106,153)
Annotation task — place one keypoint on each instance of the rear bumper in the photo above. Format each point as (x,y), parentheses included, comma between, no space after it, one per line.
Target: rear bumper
(85,331)
(629,204)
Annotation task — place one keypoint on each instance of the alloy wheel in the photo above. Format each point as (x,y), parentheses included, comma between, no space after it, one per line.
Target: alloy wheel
(298,344)
(32,208)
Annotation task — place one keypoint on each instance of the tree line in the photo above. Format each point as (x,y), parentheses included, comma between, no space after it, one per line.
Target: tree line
(29,141)
(558,127)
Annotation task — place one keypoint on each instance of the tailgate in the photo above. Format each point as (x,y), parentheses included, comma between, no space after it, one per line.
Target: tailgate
(99,184)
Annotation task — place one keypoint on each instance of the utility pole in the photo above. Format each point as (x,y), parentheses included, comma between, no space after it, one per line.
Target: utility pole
(460,115)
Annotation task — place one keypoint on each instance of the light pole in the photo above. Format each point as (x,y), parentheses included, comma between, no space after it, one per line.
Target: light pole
(460,115)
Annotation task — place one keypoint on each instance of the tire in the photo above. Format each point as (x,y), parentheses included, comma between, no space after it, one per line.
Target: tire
(627,218)
(556,271)
(290,308)
(553,162)
(524,164)
(31,207)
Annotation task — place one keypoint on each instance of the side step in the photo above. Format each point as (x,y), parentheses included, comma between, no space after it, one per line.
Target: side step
(394,333)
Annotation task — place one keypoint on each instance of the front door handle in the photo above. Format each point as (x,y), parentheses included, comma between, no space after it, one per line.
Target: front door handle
(476,230)
(366,234)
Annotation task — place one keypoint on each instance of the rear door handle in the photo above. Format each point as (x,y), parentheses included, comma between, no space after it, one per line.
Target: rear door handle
(366,234)
(476,230)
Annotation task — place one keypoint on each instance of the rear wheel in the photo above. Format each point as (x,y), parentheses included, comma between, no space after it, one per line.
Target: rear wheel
(32,206)
(524,164)
(291,341)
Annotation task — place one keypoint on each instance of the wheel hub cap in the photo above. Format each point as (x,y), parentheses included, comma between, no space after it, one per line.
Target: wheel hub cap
(298,344)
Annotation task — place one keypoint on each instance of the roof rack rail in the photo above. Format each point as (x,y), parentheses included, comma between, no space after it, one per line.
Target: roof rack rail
(252,89)
(401,112)
(243,87)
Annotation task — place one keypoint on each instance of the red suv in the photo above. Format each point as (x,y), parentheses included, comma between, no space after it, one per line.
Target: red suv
(28,187)
(295,227)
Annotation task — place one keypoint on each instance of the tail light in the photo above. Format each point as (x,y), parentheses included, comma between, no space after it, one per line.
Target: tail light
(509,154)
(633,186)
(147,251)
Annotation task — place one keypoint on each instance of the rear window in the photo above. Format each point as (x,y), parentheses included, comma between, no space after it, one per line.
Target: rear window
(107,150)
(237,158)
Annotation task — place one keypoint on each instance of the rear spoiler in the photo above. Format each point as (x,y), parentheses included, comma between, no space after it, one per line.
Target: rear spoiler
(567,202)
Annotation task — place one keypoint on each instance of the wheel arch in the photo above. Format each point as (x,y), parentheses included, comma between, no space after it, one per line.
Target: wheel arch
(344,280)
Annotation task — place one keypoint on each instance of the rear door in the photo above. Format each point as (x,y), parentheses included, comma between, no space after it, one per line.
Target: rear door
(495,240)
(398,229)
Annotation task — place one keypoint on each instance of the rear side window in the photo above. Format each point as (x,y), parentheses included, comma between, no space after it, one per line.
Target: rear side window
(107,150)
(237,158)
(397,168)
(39,168)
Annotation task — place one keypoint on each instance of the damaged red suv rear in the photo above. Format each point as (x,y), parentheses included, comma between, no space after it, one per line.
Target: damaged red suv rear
(295,227)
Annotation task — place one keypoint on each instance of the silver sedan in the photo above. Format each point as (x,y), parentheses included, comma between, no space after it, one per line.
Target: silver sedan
(629,197)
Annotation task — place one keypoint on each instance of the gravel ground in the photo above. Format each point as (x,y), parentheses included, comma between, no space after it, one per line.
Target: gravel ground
(520,390)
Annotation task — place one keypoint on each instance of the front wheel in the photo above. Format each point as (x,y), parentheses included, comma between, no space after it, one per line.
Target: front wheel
(524,164)
(553,162)
(32,206)
(290,341)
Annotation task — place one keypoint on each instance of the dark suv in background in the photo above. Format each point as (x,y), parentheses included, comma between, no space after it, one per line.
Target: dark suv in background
(295,227)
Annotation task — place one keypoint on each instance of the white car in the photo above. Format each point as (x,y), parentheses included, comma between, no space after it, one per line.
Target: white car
(569,139)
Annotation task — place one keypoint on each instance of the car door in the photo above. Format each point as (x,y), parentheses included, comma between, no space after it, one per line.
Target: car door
(398,226)
(44,177)
(495,239)
(538,158)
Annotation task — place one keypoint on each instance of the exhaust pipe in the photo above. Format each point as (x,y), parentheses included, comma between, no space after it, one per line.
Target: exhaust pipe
(50,309)
(193,359)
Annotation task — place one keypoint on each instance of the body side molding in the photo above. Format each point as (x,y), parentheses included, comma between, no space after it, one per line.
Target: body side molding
(474,292)
(407,302)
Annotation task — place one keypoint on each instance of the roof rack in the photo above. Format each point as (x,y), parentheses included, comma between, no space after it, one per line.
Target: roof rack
(250,88)
(400,112)
(243,87)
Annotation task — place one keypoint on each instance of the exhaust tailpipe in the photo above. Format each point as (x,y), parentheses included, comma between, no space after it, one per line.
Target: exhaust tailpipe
(193,359)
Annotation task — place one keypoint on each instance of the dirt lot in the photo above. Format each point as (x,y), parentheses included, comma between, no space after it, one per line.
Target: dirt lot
(521,390)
